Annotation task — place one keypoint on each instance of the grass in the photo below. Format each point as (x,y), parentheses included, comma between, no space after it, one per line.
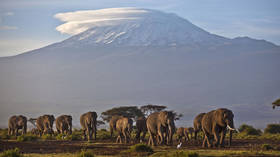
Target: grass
(138,150)
(11,153)
(85,153)
(177,153)
(27,137)
(214,153)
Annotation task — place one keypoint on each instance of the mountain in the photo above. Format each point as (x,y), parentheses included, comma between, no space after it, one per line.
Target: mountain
(132,56)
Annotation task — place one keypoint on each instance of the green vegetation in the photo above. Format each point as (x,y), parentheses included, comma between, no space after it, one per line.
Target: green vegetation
(177,153)
(266,147)
(249,130)
(141,148)
(272,129)
(4,134)
(47,137)
(138,150)
(103,134)
(27,137)
(86,153)
(11,153)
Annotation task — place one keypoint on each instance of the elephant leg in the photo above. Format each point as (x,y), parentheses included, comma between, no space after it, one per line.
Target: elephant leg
(125,136)
(16,131)
(9,131)
(187,137)
(89,134)
(216,137)
(144,135)
(207,137)
(95,131)
(222,139)
(204,142)
(84,133)
(160,136)
(137,137)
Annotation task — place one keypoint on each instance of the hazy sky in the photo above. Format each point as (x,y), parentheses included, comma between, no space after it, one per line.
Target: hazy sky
(30,24)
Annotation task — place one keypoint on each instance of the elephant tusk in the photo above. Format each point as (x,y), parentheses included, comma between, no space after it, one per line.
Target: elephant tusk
(230,128)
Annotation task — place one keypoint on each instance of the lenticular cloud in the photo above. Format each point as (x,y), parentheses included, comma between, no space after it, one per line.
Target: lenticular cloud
(80,21)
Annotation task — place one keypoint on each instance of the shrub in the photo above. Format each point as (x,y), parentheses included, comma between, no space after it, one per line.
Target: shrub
(27,137)
(266,147)
(272,128)
(176,154)
(4,134)
(103,135)
(249,130)
(47,137)
(86,153)
(11,153)
(141,148)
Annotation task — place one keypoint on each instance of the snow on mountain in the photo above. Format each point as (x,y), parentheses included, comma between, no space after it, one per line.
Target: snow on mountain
(132,27)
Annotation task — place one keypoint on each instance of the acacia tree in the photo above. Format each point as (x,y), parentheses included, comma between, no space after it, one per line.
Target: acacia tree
(276,103)
(148,109)
(127,111)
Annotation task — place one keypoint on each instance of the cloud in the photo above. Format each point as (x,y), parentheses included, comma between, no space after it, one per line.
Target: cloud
(79,21)
(8,14)
(8,28)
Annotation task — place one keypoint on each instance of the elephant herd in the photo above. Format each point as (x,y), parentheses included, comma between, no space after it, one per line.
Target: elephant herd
(159,125)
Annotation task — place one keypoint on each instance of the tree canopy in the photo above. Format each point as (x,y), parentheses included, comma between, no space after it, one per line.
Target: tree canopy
(276,103)
(148,109)
(127,111)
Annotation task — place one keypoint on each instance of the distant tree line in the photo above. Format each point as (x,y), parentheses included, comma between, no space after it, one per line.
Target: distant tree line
(135,112)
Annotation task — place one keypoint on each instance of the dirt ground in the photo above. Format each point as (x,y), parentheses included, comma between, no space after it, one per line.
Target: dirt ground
(110,148)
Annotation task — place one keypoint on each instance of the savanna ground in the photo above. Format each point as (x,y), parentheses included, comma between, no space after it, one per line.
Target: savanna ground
(263,144)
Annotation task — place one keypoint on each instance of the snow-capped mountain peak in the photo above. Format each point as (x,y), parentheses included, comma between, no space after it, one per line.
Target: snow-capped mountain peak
(132,27)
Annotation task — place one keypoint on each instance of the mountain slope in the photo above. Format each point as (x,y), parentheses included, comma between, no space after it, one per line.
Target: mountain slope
(164,60)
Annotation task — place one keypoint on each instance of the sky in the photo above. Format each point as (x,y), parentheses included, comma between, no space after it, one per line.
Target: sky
(30,24)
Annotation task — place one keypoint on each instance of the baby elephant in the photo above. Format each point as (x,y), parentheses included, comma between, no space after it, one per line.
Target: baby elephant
(16,123)
(64,124)
(189,132)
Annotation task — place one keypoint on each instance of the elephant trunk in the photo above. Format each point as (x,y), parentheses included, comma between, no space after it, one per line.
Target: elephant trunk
(230,137)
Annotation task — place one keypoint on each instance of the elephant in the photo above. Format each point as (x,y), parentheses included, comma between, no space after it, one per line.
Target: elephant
(197,124)
(215,123)
(141,128)
(189,132)
(160,125)
(124,128)
(180,134)
(45,124)
(88,122)
(16,123)
(113,122)
(35,131)
(63,124)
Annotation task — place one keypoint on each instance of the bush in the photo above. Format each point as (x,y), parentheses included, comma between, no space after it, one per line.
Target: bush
(86,153)
(47,137)
(176,154)
(266,147)
(22,138)
(11,153)
(141,148)
(249,130)
(103,134)
(272,128)
(4,134)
